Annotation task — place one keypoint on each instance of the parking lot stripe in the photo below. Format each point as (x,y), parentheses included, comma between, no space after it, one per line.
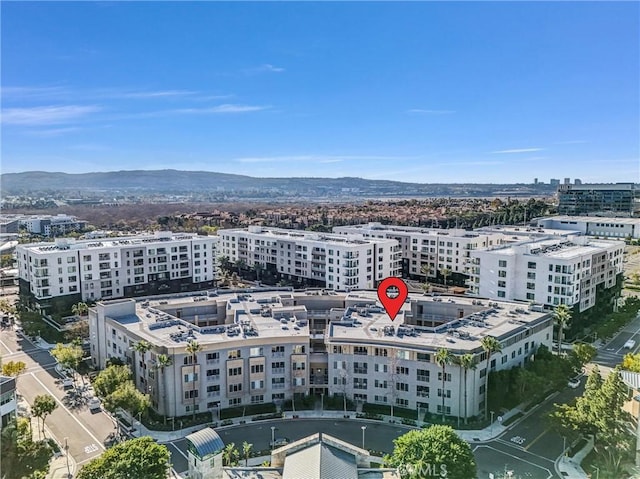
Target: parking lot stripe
(69,412)
(6,347)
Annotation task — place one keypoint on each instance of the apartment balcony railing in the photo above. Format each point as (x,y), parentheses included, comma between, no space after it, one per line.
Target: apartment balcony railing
(277,386)
(213,378)
(277,371)
(213,361)
(213,394)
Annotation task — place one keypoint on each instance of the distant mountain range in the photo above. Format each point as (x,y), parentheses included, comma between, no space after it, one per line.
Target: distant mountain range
(143,182)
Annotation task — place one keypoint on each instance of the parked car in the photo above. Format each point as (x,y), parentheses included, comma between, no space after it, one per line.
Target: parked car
(67,383)
(94,404)
(629,344)
(279,442)
(574,383)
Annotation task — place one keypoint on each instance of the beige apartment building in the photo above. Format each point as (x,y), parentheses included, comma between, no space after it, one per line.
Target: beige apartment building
(266,346)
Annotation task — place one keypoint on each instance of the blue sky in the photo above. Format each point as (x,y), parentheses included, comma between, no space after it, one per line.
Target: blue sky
(429,92)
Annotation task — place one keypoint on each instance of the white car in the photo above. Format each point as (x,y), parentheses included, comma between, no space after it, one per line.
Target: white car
(629,344)
(574,383)
(94,404)
(67,383)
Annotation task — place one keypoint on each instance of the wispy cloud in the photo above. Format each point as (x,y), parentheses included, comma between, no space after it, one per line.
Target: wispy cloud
(518,150)
(226,108)
(157,94)
(51,132)
(28,92)
(421,111)
(47,115)
(264,68)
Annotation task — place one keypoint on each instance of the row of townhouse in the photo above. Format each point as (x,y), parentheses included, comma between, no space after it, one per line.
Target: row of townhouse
(327,260)
(267,346)
(88,270)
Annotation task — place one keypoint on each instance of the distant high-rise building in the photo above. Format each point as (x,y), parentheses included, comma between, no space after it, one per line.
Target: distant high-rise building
(535,181)
(577,181)
(567,181)
(615,199)
(554,182)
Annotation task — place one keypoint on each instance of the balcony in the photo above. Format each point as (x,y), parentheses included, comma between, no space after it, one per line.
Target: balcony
(213,378)
(213,394)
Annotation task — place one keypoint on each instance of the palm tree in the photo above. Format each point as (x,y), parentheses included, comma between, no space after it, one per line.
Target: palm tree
(142,347)
(193,348)
(80,309)
(466,362)
(163,361)
(443,358)
(490,345)
(246,450)
(258,269)
(562,317)
(229,454)
(445,272)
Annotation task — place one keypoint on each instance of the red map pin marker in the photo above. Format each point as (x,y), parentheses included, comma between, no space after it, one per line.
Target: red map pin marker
(392,304)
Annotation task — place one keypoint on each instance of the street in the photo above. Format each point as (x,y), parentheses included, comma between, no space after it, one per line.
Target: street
(85,431)
(611,354)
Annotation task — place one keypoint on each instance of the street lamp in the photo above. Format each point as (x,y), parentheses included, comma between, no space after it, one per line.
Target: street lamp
(66,449)
(492,413)
(273,436)
(564,447)
(364,428)
(321,403)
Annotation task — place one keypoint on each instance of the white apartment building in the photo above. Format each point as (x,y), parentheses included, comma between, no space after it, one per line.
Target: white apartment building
(547,271)
(266,346)
(90,270)
(437,249)
(46,225)
(594,225)
(329,260)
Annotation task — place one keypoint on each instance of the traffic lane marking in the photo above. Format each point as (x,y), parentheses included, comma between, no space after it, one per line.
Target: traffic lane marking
(536,439)
(69,412)
(550,475)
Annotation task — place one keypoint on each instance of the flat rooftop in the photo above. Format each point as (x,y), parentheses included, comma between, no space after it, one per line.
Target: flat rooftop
(481,318)
(592,219)
(293,235)
(65,244)
(356,316)
(567,248)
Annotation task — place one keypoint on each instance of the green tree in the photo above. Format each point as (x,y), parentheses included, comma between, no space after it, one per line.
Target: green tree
(443,358)
(13,369)
(562,318)
(466,362)
(246,451)
(80,309)
(141,348)
(110,378)
(230,455)
(431,452)
(631,362)
(162,363)
(445,272)
(127,397)
(69,356)
(43,405)
(490,345)
(580,355)
(225,265)
(139,458)
(193,348)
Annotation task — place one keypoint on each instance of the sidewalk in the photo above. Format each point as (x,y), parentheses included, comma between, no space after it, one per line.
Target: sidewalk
(482,435)
(58,466)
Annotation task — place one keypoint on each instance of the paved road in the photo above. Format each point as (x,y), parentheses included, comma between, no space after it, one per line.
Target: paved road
(612,353)
(533,459)
(85,431)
